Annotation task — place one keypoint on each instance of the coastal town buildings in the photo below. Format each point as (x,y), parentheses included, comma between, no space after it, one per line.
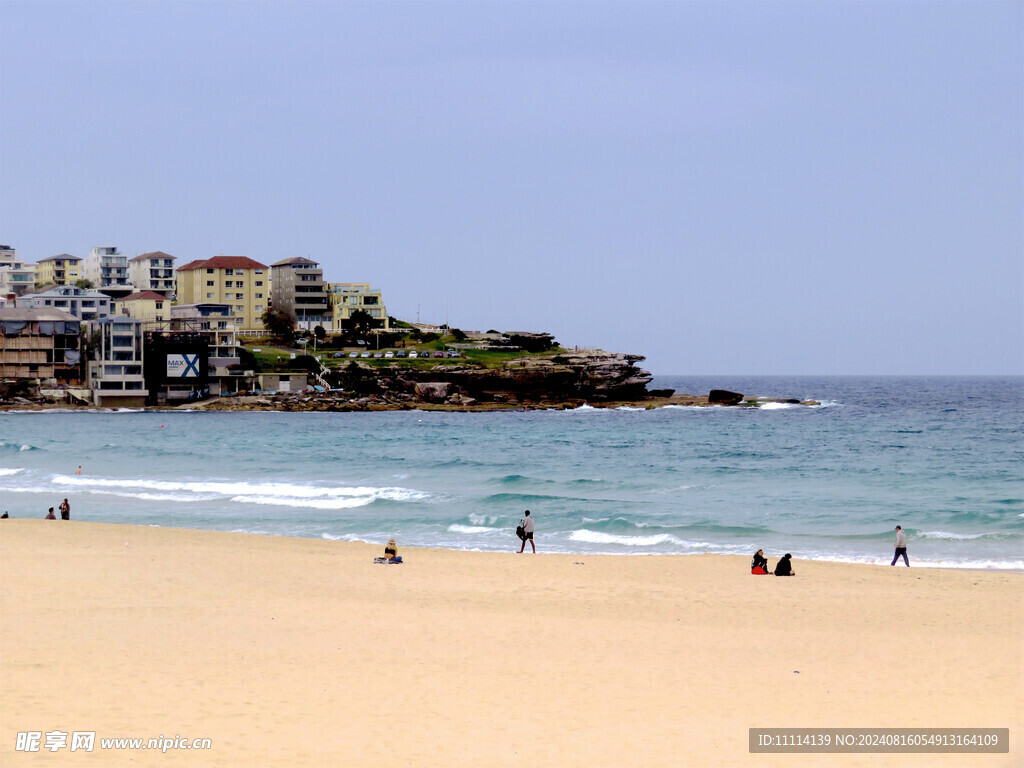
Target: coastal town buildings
(83,304)
(152,272)
(238,281)
(298,288)
(347,298)
(114,365)
(147,306)
(16,277)
(39,343)
(63,269)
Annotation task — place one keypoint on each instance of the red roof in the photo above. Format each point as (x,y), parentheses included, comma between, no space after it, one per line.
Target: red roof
(224,262)
(145,295)
(191,265)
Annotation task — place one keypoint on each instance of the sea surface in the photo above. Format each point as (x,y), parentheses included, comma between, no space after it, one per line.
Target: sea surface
(943,457)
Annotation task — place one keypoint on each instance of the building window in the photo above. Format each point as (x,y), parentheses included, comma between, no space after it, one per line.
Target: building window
(209,283)
(259,295)
(259,283)
(159,305)
(209,271)
(209,295)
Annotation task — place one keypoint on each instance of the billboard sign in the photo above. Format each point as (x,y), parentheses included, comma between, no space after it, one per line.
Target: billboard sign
(183,366)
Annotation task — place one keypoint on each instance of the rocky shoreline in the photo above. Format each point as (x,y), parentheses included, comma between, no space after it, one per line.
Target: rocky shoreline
(566,380)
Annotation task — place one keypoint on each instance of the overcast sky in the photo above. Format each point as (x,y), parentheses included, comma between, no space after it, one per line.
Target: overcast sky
(724,187)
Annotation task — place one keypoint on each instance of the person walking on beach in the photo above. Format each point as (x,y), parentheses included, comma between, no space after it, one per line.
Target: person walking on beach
(65,510)
(901,547)
(527,523)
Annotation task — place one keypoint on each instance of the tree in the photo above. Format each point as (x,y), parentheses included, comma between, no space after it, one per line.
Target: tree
(358,324)
(320,333)
(279,324)
(458,334)
(85,285)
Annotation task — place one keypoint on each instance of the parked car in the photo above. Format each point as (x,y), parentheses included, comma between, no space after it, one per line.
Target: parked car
(413,355)
(454,353)
(364,354)
(378,354)
(439,354)
(353,354)
(400,353)
(338,354)
(389,354)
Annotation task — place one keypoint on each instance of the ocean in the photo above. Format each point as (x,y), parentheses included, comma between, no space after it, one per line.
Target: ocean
(941,456)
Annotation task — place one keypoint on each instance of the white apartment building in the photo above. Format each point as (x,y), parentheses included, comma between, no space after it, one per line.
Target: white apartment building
(106,267)
(152,272)
(16,277)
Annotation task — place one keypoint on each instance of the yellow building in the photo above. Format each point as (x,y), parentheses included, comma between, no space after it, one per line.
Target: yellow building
(238,281)
(64,269)
(147,306)
(346,298)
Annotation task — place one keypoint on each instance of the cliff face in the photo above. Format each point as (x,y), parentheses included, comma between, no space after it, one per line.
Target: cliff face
(589,375)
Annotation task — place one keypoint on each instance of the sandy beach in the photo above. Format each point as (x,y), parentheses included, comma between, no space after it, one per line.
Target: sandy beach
(287,651)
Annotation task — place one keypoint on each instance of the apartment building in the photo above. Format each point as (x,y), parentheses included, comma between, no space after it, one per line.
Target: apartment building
(115,372)
(39,343)
(215,323)
(63,269)
(238,281)
(83,304)
(16,277)
(106,267)
(147,306)
(152,272)
(347,298)
(298,287)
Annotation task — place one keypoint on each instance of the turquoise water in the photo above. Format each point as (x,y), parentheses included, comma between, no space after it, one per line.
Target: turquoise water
(941,456)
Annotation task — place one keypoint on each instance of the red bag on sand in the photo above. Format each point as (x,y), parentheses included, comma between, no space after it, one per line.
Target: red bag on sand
(759,571)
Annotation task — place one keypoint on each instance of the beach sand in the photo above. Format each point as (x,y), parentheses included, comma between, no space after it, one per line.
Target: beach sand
(289,652)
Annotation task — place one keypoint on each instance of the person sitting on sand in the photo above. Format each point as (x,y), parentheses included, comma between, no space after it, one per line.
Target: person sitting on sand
(391,550)
(50,515)
(759,565)
(785,566)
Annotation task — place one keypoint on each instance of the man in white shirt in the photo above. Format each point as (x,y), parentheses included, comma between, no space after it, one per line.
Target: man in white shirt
(901,547)
(527,523)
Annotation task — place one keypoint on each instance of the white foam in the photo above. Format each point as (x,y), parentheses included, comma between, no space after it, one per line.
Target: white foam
(457,528)
(956,536)
(482,519)
(251,491)
(776,406)
(306,503)
(598,537)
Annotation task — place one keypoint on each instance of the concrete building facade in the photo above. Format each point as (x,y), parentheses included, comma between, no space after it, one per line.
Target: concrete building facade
(16,277)
(39,344)
(83,304)
(152,272)
(63,269)
(238,281)
(147,306)
(106,267)
(298,287)
(347,298)
(115,364)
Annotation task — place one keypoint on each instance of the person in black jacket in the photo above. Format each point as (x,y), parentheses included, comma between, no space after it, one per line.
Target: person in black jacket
(759,562)
(785,566)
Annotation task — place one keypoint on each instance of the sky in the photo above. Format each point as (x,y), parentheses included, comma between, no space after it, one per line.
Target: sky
(824,188)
